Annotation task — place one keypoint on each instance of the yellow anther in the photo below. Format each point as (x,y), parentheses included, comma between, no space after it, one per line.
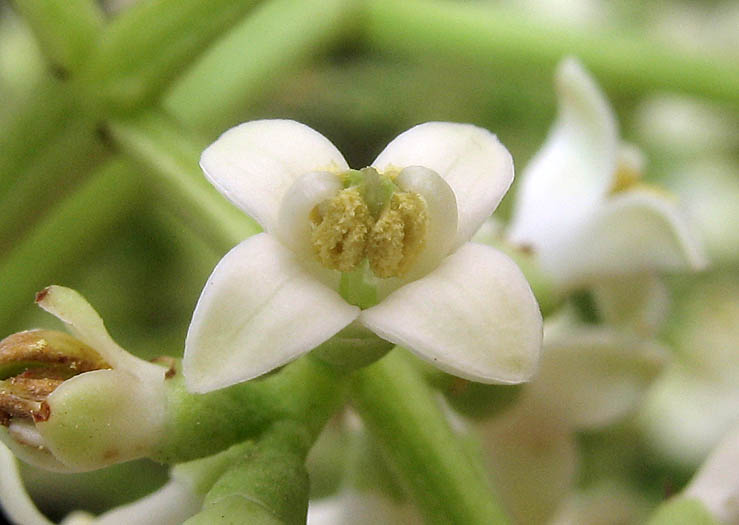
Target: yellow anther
(340,228)
(398,236)
(628,177)
(625,178)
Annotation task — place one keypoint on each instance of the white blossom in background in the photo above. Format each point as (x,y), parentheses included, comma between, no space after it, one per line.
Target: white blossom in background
(170,505)
(716,484)
(580,206)
(462,306)
(589,377)
(360,508)
(696,400)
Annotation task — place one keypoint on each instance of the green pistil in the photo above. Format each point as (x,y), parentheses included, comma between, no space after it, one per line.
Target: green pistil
(355,288)
(375,188)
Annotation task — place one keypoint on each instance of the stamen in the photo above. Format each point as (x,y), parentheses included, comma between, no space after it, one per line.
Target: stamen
(398,236)
(340,228)
(370,219)
(33,364)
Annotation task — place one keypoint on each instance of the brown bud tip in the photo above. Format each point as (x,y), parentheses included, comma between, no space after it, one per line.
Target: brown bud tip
(40,295)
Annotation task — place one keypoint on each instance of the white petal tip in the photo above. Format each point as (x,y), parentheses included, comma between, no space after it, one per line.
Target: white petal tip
(474,316)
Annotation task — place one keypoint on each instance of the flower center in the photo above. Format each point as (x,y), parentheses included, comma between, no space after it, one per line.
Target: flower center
(370,219)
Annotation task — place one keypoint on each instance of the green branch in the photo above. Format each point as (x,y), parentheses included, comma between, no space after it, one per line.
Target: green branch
(275,38)
(171,158)
(442,477)
(306,392)
(147,45)
(34,122)
(268,485)
(489,37)
(64,236)
(56,168)
(65,29)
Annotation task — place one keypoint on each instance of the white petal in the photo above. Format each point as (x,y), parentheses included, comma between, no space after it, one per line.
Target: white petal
(685,414)
(15,501)
(709,190)
(172,504)
(717,482)
(255,163)
(97,419)
(595,376)
(635,232)
(23,439)
(473,316)
(574,169)
(259,309)
(442,212)
(471,160)
(85,324)
(294,226)
(534,456)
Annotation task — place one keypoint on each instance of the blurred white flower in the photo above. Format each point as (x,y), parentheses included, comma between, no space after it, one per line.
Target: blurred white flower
(716,484)
(589,377)
(710,191)
(391,238)
(581,207)
(696,400)
(360,508)
(170,505)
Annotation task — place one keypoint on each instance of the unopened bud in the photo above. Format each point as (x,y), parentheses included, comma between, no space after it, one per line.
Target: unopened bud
(77,402)
(33,364)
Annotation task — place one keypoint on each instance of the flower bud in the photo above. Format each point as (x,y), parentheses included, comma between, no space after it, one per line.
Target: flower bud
(33,364)
(76,403)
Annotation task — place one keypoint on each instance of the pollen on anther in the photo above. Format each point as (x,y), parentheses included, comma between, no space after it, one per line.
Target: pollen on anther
(340,229)
(398,236)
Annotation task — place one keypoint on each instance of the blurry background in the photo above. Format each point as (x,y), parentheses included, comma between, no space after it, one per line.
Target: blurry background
(141,256)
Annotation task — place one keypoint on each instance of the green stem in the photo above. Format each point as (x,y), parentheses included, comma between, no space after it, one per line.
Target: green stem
(441,476)
(268,485)
(171,158)
(62,163)
(306,392)
(150,43)
(276,37)
(34,122)
(489,37)
(65,29)
(65,235)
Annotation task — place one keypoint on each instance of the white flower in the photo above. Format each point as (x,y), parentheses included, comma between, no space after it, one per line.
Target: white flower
(580,206)
(171,504)
(589,377)
(462,306)
(716,484)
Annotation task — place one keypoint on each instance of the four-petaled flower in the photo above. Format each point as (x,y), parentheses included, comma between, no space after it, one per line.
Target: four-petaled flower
(385,248)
